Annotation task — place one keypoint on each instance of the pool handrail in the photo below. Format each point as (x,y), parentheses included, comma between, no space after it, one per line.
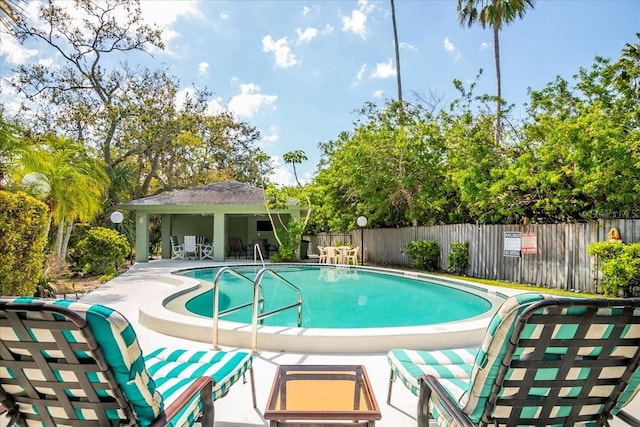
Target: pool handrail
(257,302)
(216,307)
(256,294)
(257,251)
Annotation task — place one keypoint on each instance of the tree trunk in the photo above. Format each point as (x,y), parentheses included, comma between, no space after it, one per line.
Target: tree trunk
(498,121)
(395,40)
(65,243)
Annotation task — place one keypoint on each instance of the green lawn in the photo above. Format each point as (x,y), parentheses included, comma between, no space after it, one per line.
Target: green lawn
(510,285)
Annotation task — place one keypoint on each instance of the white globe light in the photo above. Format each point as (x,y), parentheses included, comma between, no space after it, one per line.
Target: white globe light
(362,221)
(116,217)
(36,184)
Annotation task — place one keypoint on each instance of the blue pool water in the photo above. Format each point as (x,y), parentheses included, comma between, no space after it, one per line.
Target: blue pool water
(337,297)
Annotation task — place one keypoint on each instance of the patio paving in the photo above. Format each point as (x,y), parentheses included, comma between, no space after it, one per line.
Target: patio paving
(139,285)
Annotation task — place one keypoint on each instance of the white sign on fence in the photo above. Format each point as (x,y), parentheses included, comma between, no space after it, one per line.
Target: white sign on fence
(512,243)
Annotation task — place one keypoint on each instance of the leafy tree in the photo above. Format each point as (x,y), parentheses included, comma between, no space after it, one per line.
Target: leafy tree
(581,152)
(130,116)
(11,145)
(74,185)
(288,234)
(390,169)
(474,163)
(495,14)
(629,65)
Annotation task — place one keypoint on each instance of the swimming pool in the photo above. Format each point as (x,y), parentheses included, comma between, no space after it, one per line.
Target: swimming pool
(168,315)
(337,297)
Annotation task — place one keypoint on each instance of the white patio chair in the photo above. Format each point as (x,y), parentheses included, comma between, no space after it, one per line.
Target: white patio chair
(190,246)
(205,249)
(176,248)
(322,251)
(352,256)
(333,255)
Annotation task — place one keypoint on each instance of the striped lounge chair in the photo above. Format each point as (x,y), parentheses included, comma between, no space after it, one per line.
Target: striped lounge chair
(544,361)
(73,364)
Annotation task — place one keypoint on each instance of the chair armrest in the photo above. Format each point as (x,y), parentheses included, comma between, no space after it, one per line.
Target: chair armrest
(431,389)
(202,386)
(628,418)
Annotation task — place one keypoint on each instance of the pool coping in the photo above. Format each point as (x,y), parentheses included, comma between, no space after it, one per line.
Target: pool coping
(464,333)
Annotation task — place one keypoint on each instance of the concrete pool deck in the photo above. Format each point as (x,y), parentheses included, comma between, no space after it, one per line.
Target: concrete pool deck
(140,287)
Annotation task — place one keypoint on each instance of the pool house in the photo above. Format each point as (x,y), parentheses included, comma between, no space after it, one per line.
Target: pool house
(219,212)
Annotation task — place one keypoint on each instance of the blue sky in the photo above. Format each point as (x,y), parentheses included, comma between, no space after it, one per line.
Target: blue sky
(298,70)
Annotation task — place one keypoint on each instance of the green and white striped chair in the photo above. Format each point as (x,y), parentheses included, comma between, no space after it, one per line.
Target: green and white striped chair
(544,361)
(75,364)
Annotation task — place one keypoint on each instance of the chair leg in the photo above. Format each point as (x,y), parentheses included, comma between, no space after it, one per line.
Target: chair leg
(423,406)
(208,409)
(391,380)
(253,387)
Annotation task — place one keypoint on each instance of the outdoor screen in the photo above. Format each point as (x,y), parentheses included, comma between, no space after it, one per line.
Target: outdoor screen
(263,226)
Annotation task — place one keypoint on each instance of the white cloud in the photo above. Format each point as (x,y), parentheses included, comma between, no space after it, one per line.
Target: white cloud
(378,94)
(328,29)
(182,95)
(284,57)
(407,46)
(166,12)
(356,23)
(306,35)
(383,71)
(203,69)
(250,100)
(14,52)
(272,136)
(361,71)
(450,47)
(215,106)
(306,10)
(484,45)
(283,173)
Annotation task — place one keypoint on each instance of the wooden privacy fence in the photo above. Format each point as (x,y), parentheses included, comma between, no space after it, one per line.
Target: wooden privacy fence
(560,261)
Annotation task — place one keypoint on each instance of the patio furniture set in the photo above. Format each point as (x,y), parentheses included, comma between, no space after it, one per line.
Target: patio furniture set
(543,361)
(194,247)
(339,255)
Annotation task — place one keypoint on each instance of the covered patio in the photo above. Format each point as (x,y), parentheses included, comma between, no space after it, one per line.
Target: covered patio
(218,211)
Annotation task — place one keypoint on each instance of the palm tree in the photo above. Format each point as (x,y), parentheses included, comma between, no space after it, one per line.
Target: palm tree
(495,14)
(397,48)
(75,184)
(10,12)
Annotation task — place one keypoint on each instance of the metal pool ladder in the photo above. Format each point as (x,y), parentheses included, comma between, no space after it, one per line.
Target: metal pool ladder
(257,302)
(257,253)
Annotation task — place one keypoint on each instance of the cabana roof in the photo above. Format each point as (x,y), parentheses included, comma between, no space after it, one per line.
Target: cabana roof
(219,193)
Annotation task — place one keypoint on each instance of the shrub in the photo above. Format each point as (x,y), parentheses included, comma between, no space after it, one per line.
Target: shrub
(101,251)
(458,257)
(289,242)
(23,222)
(619,265)
(424,254)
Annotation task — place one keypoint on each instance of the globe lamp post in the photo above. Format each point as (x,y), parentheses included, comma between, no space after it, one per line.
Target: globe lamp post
(362,222)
